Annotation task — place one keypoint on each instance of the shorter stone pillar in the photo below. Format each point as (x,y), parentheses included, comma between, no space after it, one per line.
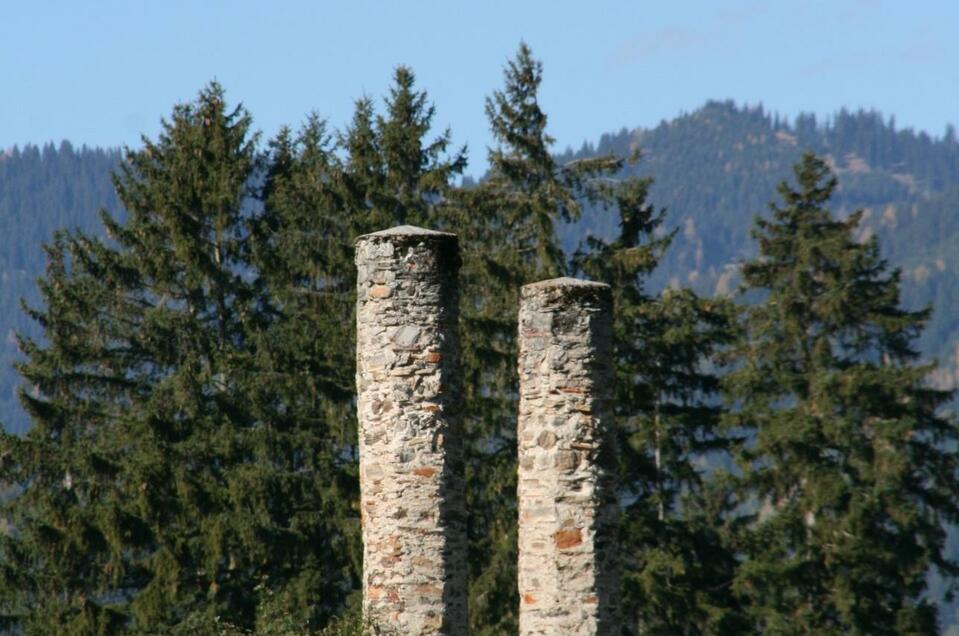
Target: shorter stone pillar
(568,513)
(411,455)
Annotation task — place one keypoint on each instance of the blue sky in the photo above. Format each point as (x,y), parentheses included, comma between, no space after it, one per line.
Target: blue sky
(103,72)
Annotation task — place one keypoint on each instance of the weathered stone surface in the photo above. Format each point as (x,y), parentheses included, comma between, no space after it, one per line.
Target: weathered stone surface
(568,571)
(411,464)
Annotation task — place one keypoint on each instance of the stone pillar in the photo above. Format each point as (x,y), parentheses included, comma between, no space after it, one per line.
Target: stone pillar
(568,573)
(411,456)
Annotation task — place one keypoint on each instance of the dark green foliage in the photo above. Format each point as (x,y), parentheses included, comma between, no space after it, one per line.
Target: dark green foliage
(713,166)
(315,205)
(677,568)
(848,462)
(529,192)
(60,549)
(161,499)
(193,448)
(507,234)
(393,174)
(303,390)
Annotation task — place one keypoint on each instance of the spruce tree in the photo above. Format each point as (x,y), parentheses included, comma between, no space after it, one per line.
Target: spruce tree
(301,250)
(142,505)
(507,228)
(849,465)
(321,192)
(392,173)
(677,568)
(60,552)
(417,174)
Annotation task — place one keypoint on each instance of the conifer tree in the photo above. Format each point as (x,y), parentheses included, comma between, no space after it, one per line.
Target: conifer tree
(507,228)
(301,250)
(417,175)
(64,515)
(392,174)
(143,503)
(321,192)
(528,192)
(677,568)
(849,463)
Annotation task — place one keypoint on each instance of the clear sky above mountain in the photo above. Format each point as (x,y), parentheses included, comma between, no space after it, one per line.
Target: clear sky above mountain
(103,72)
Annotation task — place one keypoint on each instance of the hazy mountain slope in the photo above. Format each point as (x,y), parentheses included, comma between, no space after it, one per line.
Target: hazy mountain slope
(715,169)
(41,190)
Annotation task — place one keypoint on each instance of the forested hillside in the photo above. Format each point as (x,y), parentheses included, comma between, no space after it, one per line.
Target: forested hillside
(717,168)
(42,189)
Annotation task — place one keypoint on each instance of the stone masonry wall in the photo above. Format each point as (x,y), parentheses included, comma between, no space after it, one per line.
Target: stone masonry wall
(411,465)
(568,574)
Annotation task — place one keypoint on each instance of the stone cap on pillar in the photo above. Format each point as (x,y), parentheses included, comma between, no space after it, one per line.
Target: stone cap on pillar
(565,281)
(403,233)
(439,249)
(566,286)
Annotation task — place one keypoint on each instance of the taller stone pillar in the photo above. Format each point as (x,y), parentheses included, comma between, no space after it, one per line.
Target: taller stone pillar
(411,456)
(568,574)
